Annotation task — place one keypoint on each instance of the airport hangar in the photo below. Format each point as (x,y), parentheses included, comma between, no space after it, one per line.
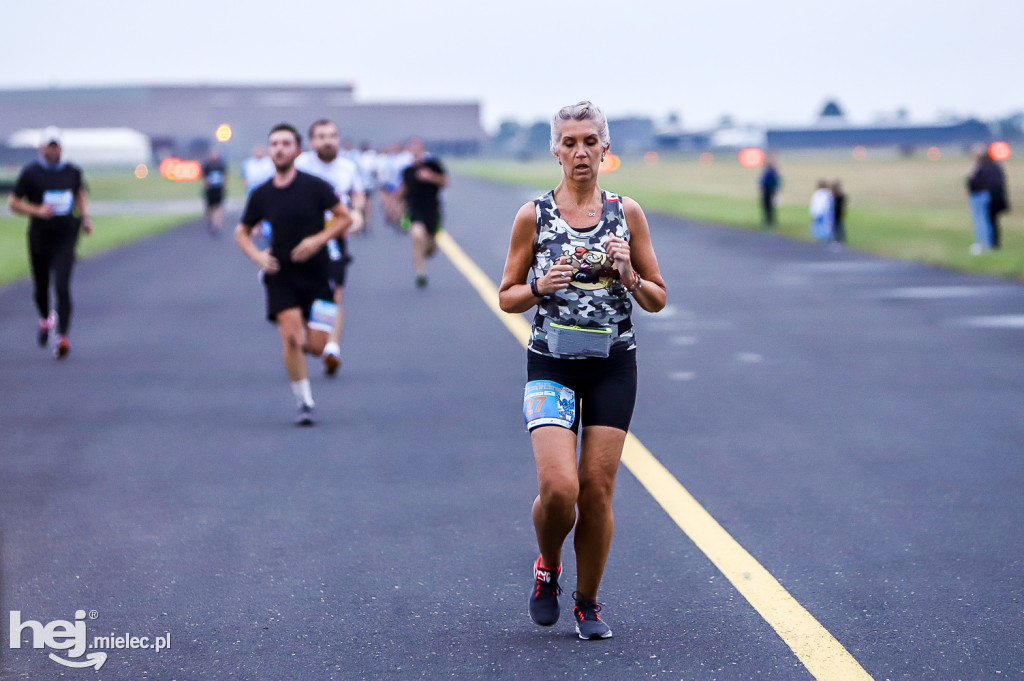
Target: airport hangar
(182,119)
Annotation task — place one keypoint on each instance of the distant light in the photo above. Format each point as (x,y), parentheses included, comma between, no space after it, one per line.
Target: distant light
(223,133)
(860,152)
(1000,151)
(180,171)
(707,159)
(934,154)
(141,171)
(651,158)
(751,157)
(610,164)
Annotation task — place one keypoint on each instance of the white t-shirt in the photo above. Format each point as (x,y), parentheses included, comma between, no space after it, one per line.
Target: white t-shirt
(340,173)
(256,171)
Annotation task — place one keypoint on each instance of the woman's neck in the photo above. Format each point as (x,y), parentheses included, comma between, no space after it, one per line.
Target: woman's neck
(579,193)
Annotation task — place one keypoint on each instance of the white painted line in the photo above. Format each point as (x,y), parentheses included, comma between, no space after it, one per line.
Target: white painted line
(684,340)
(943,292)
(682,375)
(845,266)
(1005,321)
(749,357)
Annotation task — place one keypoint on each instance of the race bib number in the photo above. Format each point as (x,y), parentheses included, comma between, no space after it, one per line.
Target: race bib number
(61,200)
(323,315)
(546,403)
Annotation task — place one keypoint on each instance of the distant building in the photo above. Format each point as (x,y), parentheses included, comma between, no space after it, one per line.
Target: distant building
(902,136)
(183,119)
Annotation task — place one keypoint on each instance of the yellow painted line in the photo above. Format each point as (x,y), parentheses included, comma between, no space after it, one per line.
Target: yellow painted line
(825,657)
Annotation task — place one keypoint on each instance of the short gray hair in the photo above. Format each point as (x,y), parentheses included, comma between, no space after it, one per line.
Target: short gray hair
(582,111)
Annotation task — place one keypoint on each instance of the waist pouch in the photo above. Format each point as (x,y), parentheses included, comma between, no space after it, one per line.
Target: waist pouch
(579,341)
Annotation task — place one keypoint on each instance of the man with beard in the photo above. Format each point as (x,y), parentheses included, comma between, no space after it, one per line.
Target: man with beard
(342,174)
(295,266)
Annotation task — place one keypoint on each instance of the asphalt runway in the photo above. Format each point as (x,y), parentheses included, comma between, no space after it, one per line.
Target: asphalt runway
(856,424)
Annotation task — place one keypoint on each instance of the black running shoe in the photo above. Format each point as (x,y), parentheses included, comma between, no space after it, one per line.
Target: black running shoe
(544,598)
(588,622)
(305,417)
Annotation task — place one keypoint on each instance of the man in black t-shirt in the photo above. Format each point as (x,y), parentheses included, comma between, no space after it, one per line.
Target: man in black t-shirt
(421,186)
(299,296)
(53,195)
(214,177)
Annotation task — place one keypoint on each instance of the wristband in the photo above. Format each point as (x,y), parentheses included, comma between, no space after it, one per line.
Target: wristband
(638,283)
(533,289)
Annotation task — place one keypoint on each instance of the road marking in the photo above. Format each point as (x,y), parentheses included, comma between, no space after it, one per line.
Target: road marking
(825,657)
(942,292)
(1003,321)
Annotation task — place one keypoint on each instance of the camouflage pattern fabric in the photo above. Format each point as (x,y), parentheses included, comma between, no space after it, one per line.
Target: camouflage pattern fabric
(596,297)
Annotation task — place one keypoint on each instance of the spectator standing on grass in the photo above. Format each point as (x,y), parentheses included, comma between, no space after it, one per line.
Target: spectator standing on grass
(988,180)
(838,213)
(822,212)
(52,193)
(769,183)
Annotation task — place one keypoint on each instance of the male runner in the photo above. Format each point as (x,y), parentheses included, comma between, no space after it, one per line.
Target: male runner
(53,195)
(343,175)
(295,265)
(215,176)
(422,183)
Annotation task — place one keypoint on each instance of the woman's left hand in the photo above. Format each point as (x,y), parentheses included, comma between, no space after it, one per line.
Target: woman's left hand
(618,249)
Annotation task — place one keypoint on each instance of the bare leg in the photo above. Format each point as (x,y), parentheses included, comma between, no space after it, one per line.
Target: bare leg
(554,509)
(420,241)
(293,342)
(339,322)
(599,463)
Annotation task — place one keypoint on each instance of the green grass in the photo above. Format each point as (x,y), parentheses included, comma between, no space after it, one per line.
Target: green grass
(111,230)
(907,208)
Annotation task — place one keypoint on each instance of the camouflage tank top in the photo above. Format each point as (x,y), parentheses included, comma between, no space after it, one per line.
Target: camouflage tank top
(596,297)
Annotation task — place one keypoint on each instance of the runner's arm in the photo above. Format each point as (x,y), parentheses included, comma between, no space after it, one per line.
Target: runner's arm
(515,294)
(336,228)
(263,259)
(22,206)
(82,200)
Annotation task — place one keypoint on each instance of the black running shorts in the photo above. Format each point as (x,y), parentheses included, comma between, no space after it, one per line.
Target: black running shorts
(286,293)
(430,217)
(214,196)
(605,387)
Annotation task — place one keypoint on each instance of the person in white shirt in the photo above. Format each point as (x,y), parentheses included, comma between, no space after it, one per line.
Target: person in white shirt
(325,162)
(822,214)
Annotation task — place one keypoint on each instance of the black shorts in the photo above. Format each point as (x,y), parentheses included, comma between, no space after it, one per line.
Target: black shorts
(605,387)
(430,217)
(214,196)
(286,293)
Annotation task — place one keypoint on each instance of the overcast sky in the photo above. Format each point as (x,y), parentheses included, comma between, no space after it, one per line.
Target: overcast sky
(764,61)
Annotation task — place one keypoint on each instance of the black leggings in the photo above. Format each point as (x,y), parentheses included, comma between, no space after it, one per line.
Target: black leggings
(53,249)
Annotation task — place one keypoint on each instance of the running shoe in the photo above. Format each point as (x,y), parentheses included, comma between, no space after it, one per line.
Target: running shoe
(331,364)
(45,326)
(305,417)
(332,358)
(544,598)
(588,622)
(63,347)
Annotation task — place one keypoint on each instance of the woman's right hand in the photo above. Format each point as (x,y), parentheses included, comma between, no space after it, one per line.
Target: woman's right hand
(555,279)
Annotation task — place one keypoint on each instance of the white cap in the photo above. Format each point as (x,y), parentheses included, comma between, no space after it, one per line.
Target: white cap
(51,135)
